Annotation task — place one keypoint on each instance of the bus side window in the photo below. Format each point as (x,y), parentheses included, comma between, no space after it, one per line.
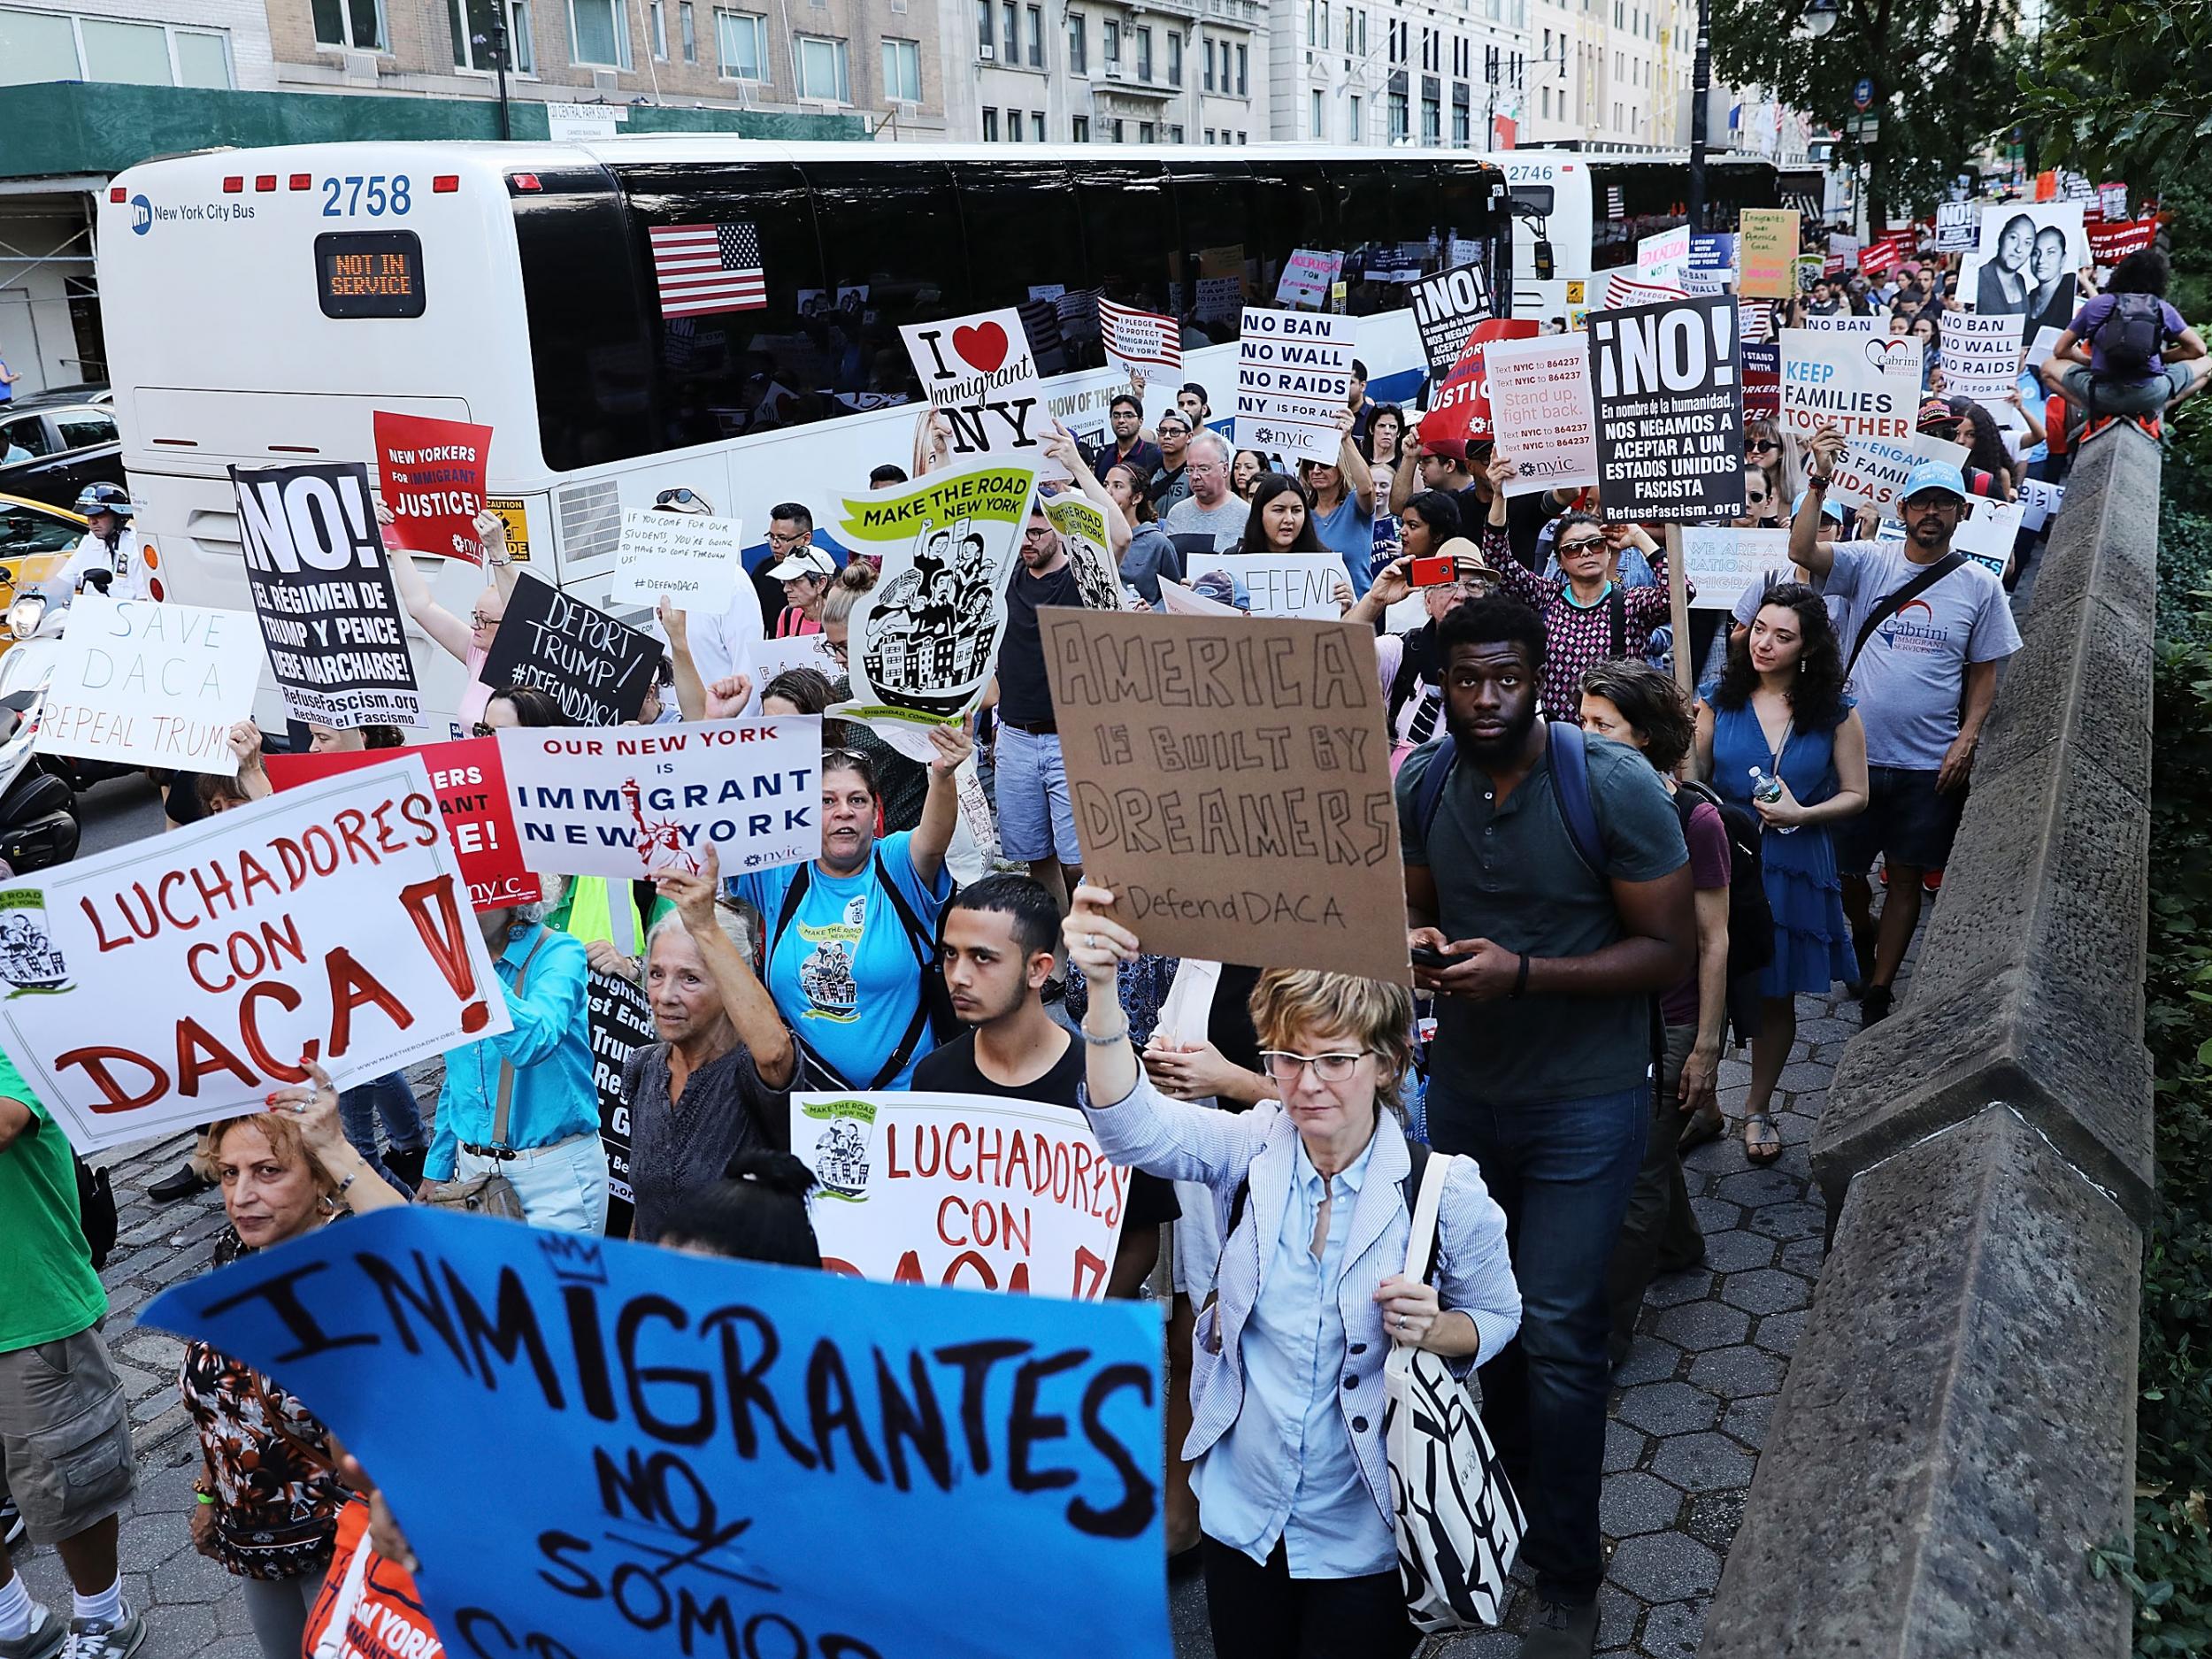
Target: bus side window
(1363,205)
(892,255)
(1020,221)
(1213,214)
(1128,227)
(1294,205)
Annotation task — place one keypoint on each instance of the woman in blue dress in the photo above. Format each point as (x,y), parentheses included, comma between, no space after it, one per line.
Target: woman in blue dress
(1779,709)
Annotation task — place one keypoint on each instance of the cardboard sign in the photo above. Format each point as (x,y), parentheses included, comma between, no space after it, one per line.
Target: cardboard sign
(1957,226)
(147,684)
(432,473)
(1280,584)
(1294,380)
(1987,532)
(694,562)
(1767,245)
(1445,307)
(1981,355)
(924,640)
(1460,408)
(1308,276)
(1140,343)
(1081,523)
(701,1445)
(1720,561)
(594,667)
(1867,387)
(621,1022)
(316,568)
(1231,782)
(2029,254)
(471,787)
(2111,242)
(967,1191)
(979,370)
(180,978)
(629,801)
(1669,411)
(1542,411)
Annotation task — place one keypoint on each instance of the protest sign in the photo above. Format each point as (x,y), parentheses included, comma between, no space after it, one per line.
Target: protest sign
(1811,268)
(695,1447)
(1843,253)
(1762,380)
(1869,389)
(1541,412)
(1721,562)
(148,684)
(771,657)
(1459,409)
(961,1190)
(471,788)
(628,801)
(1231,782)
(1712,264)
(2042,501)
(1445,307)
(1140,343)
(1294,380)
(2112,199)
(2028,253)
(1280,584)
(1082,526)
(183,976)
(1957,226)
(620,1021)
(1988,531)
(1981,355)
(2111,242)
(315,567)
(594,667)
(1665,257)
(1767,245)
(1670,411)
(1842,323)
(980,372)
(1308,276)
(924,640)
(433,476)
(694,562)
(1624,291)
(2040,345)
(1177,600)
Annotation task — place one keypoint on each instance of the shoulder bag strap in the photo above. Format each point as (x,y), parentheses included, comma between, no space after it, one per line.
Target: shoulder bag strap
(793,896)
(1616,606)
(506,1066)
(1893,603)
(1421,1242)
(919,938)
(1571,777)
(1432,782)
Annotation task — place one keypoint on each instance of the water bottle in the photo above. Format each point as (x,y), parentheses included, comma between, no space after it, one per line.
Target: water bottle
(1768,789)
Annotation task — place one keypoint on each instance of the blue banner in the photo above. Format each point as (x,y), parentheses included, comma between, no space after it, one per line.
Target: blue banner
(603,1450)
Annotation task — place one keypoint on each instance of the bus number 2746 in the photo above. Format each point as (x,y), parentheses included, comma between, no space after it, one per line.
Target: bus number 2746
(377,196)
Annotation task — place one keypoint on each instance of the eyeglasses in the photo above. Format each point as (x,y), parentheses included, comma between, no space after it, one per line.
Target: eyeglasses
(1284,1066)
(1581,543)
(478,620)
(788,538)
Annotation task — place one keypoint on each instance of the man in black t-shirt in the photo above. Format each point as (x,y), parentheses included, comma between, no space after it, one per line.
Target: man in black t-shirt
(1036,821)
(997,948)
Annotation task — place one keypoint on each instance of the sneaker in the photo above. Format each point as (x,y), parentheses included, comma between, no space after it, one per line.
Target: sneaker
(11,1521)
(1561,1630)
(1874,1005)
(96,1639)
(43,1640)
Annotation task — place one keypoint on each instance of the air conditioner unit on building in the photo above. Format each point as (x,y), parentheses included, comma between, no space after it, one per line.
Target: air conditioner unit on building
(1113,71)
(985,53)
(604,80)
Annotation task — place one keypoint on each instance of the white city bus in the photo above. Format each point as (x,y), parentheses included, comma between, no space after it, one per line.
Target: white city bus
(259,304)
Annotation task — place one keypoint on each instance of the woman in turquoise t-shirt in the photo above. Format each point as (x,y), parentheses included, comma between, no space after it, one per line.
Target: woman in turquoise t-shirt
(850,934)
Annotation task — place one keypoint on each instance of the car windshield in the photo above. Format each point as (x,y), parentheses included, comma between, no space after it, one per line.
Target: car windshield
(24,530)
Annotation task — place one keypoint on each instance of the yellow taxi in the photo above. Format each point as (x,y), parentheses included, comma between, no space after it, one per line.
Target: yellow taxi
(36,541)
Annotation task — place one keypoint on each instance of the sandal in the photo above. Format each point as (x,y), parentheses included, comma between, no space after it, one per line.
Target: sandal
(1700,1127)
(1757,1147)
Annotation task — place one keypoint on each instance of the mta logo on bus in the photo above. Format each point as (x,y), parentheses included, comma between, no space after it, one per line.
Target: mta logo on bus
(141,215)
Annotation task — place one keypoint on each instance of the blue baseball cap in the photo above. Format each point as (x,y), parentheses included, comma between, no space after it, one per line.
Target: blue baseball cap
(1828,508)
(1933,475)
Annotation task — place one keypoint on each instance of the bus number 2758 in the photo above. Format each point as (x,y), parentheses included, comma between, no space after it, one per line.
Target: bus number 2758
(377,196)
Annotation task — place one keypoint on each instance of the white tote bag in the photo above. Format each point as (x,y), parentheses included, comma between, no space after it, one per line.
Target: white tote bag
(1459,1526)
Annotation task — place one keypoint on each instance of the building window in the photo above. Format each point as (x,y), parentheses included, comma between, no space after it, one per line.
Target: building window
(1432,121)
(475,25)
(822,71)
(1080,128)
(1244,64)
(597,33)
(1400,111)
(1144,53)
(1209,63)
(1314,129)
(1174,58)
(1112,41)
(51,46)
(983,25)
(1013,126)
(687,25)
(657,24)
(1547,103)
(202,59)
(360,24)
(1241,137)
(1036,38)
(1175,134)
(902,70)
(1078,45)
(1355,135)
(1146,132)
(1009,38)
(742,40)
(1116,129)
(990,123)
(1459,123)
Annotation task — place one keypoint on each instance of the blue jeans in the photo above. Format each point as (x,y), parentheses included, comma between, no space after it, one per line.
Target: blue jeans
(389,1098)
(1561,1170)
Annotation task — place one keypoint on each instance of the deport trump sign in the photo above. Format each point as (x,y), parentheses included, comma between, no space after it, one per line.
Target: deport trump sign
(182,977)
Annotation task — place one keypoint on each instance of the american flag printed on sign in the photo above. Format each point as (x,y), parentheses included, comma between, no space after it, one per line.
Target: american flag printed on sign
(702,268)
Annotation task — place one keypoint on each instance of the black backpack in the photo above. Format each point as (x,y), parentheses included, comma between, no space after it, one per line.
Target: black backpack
(96,1212)
(1750,917)
(2133,332)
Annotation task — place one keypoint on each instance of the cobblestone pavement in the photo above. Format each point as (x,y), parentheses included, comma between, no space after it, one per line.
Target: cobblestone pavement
(1689,1411)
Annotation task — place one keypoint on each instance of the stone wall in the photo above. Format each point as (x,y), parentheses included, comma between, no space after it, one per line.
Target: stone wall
(1958,1426)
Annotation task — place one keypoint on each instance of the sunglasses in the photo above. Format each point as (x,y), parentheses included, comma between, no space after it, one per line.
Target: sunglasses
(1580,543)
(678,498)
(1758,445)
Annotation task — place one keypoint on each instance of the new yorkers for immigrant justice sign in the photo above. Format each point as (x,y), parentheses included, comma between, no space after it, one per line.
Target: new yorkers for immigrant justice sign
(1231,782)
(715,1457)
(433,481)
(316,568)
(594,667)
(1670,410)
(181,978)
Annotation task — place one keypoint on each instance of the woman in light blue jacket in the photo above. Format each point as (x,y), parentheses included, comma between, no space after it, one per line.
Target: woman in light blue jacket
(1287,1385)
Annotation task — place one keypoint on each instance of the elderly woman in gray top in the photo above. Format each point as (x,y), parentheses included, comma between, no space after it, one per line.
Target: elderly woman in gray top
(716,1084)
(1286,1385)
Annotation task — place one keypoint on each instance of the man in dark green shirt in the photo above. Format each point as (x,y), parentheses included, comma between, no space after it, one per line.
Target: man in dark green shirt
(1541,1066)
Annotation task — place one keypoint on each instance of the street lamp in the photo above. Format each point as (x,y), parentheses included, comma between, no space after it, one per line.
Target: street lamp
(1821,17)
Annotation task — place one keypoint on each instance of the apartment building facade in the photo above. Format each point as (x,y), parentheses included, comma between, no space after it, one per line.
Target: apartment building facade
(1449,74)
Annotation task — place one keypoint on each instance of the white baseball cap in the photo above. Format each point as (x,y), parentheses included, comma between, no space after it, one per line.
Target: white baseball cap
(807,560)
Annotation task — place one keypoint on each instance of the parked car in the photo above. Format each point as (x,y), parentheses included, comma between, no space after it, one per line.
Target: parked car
(36,543)
(49,451)
(97,393)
